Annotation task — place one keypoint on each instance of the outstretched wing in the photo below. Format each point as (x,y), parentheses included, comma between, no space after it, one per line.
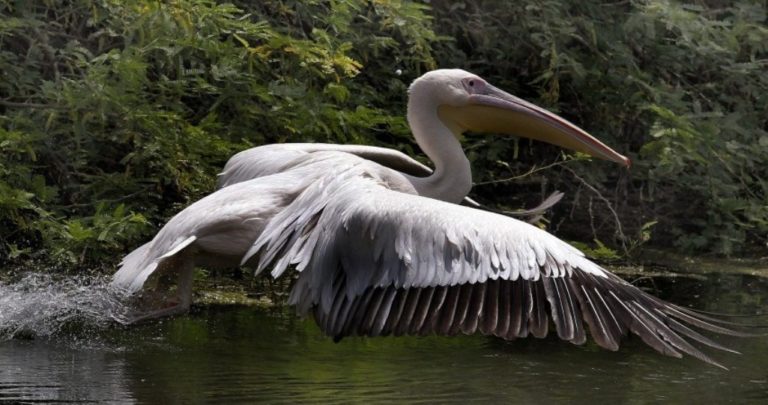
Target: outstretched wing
(375,261)
(270,159)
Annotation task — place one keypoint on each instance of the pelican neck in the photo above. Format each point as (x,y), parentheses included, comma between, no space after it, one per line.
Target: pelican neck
(452,177)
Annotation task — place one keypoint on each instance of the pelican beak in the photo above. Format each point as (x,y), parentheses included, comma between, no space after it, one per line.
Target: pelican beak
(498,111)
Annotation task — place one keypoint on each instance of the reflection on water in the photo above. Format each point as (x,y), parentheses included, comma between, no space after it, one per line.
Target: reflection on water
(243,354)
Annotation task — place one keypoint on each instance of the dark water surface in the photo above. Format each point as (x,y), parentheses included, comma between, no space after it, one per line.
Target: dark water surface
(238,354)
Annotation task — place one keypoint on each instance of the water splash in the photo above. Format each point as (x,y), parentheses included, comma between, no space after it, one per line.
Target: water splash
(43,305)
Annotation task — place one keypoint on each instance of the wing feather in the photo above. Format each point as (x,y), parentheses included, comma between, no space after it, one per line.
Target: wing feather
(422,310)
(373,308)
(505,302)
(517,316)
(475,306)
(435,309)
(384,310)
(462,307)
(538,322)
(429,310)
(408,312)
(398,305)
(489,316)
(594,315)
(448,314)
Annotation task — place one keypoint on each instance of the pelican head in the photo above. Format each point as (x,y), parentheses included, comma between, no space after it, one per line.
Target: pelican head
(466,102)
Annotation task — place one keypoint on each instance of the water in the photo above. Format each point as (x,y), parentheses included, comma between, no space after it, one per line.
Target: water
(242,354)
(42,305)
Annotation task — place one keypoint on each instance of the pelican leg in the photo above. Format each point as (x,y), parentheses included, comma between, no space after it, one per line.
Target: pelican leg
(176,303)
(176,309)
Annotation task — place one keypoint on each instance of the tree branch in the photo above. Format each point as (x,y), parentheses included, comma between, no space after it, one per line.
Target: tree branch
(599,195)
(533,170)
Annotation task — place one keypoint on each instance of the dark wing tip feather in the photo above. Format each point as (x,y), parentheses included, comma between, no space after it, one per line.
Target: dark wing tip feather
(720,325)
(510,309)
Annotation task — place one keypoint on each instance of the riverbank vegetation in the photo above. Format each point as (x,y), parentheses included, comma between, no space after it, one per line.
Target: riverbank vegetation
(115,115)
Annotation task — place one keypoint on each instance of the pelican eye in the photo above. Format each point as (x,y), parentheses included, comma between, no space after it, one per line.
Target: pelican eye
(473,85)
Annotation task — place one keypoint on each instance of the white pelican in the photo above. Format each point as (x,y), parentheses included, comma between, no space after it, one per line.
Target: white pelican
(382,247)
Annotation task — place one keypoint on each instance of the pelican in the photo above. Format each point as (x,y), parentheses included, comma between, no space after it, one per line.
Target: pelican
(382,246)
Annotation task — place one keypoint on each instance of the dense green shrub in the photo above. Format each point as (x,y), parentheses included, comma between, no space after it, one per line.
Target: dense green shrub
(682,88)
(114,115)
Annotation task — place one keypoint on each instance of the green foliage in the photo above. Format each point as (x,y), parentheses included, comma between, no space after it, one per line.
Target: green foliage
(680,87)
(710,121)
(599,252)
(114,115)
